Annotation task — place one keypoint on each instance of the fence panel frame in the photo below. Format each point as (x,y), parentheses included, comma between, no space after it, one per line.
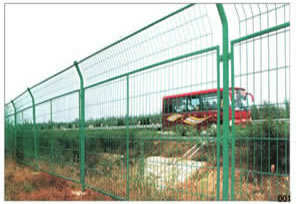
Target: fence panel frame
(34,130)
(15,127)
(163,138)
(232,44)
(81,126)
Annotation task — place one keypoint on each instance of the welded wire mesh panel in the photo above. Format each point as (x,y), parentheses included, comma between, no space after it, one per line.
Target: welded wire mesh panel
(43,113)
(9,119)
(159,171)
(262,68)
(25,137)
(107,119)
(61,83)
(182,76)
(23,101)
(9,128)
(171,156)
(44,124)
(9,134)
(106,154)
(66,109)
(185,31)
(8,109)
(57,122)
(256,17)
(24,129)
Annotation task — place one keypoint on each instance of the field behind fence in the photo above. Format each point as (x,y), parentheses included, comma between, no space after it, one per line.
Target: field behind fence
(100,122)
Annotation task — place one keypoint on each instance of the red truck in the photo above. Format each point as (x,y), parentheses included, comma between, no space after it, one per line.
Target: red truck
(200,108)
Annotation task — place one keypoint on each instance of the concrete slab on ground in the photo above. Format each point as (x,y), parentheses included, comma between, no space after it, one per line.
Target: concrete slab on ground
(165,172)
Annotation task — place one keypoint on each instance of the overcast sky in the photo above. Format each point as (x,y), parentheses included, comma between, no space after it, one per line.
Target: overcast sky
(44,39)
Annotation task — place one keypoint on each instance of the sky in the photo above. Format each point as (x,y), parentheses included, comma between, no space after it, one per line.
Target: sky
(44,39)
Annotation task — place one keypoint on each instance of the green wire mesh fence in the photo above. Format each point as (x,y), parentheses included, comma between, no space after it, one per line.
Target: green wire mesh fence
(260,63)
(146,118)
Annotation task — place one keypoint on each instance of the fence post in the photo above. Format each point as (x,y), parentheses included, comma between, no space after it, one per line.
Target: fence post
(15,122)
(81,127)
(127,136)
(218,140)
(142,157)
(51,139)
(233,125)
(225,116)
(51,111)
(34,129)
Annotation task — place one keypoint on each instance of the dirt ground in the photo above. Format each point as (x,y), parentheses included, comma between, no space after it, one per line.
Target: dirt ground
(23,183)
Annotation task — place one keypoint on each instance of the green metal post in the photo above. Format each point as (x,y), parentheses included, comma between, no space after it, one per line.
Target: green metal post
(127,136)
(142,157)
(51,139)
(233,126)
(218,125)
(15,122)
(51,112)
(6,136)
(81,127)
(34,129)
(225,58)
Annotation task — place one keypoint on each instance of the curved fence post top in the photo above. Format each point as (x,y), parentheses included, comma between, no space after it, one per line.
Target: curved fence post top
(13,105)
(79,73)
(30,92)
(222,14)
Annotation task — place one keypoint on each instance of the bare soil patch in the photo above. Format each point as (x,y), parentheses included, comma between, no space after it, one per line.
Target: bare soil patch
(23,183)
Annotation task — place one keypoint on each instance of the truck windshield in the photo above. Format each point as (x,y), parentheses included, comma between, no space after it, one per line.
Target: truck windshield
(241,100)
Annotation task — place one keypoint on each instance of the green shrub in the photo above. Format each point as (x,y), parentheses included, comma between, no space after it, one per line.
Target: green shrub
(264,144)
(180,130)
(120,121)
(270,111)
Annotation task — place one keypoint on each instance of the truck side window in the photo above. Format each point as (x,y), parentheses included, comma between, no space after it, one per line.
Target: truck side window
(210,102)
(180,105)
(194,103)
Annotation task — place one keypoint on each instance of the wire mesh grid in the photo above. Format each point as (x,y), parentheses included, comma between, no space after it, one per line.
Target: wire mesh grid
(142,119)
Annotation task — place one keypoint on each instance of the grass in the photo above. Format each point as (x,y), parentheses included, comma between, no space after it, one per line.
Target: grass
(270,111)
(110,176)
(264,144)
